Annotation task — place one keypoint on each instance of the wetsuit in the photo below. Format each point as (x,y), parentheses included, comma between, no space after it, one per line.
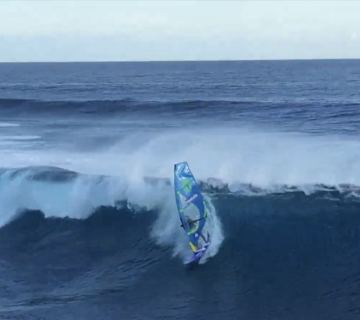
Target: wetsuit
(191,224)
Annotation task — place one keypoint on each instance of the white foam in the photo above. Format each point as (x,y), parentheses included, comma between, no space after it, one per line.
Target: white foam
(8,124)
(18,142)
(263,159)
(20,137)
(167,231)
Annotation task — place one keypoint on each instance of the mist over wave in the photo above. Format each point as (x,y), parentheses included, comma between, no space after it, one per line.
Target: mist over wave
(264,158)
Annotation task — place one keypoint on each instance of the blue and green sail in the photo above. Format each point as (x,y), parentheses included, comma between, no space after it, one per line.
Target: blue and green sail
(190,203)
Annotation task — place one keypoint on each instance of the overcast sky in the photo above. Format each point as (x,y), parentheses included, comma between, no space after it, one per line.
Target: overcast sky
(178,30)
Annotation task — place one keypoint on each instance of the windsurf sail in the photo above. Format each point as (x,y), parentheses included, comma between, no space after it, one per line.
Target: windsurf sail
(190,203)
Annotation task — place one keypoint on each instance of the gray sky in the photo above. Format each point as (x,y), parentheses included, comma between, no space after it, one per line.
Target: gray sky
(178,30)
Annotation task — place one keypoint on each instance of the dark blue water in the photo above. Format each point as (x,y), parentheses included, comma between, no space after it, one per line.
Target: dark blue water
(88,221)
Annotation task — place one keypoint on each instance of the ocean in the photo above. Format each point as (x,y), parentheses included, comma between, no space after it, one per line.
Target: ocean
(88,220)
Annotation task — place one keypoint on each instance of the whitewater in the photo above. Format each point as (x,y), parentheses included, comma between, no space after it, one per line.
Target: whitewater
(234,157)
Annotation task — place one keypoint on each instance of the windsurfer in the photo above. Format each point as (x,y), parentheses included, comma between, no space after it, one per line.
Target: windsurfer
(191,224)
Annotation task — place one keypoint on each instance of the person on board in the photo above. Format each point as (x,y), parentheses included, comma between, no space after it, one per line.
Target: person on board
(191,224)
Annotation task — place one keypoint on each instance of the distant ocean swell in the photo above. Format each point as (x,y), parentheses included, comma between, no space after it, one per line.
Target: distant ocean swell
(132,105)
(119,106)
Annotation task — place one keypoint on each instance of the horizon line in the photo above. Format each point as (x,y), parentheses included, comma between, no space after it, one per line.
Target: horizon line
(164,61)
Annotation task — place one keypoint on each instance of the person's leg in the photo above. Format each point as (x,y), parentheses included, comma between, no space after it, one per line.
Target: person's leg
(202,236)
